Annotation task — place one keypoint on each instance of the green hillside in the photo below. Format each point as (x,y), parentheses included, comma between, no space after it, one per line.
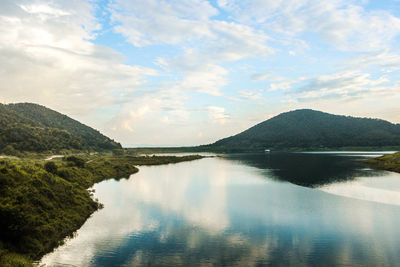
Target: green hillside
(34,128)
(310,129)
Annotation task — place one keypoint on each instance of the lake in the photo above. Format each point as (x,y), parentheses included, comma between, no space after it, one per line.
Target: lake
(274,209)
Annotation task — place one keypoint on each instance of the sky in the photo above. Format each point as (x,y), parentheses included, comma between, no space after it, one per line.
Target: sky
(189,72)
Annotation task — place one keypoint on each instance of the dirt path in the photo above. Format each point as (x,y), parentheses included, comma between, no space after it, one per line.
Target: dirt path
(53,157)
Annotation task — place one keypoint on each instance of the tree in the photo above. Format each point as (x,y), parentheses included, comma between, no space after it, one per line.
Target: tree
(79,162)
(51,167)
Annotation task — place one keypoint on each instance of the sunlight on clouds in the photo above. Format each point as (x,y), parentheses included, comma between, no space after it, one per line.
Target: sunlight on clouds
(61,68)
(166,120)
(193,65)
(44,9)
(144,113)
(126,126)
(208,79)
(218,114)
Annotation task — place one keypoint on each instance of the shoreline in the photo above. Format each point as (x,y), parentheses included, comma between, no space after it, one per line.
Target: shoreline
(48,201)
(390,162)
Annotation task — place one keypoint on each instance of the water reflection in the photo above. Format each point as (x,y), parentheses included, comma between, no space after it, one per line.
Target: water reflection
(225,211)
(310,169)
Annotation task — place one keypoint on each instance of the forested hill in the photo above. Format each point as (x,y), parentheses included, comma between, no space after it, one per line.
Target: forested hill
(310,129)
(35,128)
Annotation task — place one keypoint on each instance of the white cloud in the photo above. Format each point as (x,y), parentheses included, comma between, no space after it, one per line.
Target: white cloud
(148,114)
(206,79)
(44,10)
(235,41)
(213,42)
(346,86)
(260,76)
(281,85)
(340,81)
(47,57)
(249,94)
(346,28)
(389,61)
(345,24)
(276,82)
(145,22)
(217,114)
(202,67)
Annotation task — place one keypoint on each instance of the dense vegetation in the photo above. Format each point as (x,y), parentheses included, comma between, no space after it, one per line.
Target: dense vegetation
(309,129)
(389,162)
(42,202)
(34,128)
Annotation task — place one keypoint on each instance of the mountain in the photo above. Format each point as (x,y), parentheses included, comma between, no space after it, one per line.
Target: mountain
(310,129)
(35,128)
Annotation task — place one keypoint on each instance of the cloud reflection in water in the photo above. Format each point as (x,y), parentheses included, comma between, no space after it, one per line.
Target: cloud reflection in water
(227,212)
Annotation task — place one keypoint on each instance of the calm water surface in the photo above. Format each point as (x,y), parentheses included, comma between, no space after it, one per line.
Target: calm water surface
(244,210)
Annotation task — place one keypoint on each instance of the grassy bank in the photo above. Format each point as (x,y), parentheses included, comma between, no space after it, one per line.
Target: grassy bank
(389,162)
(42,202)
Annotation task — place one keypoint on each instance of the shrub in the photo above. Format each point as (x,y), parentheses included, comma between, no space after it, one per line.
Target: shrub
(78,162)
(51,167)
